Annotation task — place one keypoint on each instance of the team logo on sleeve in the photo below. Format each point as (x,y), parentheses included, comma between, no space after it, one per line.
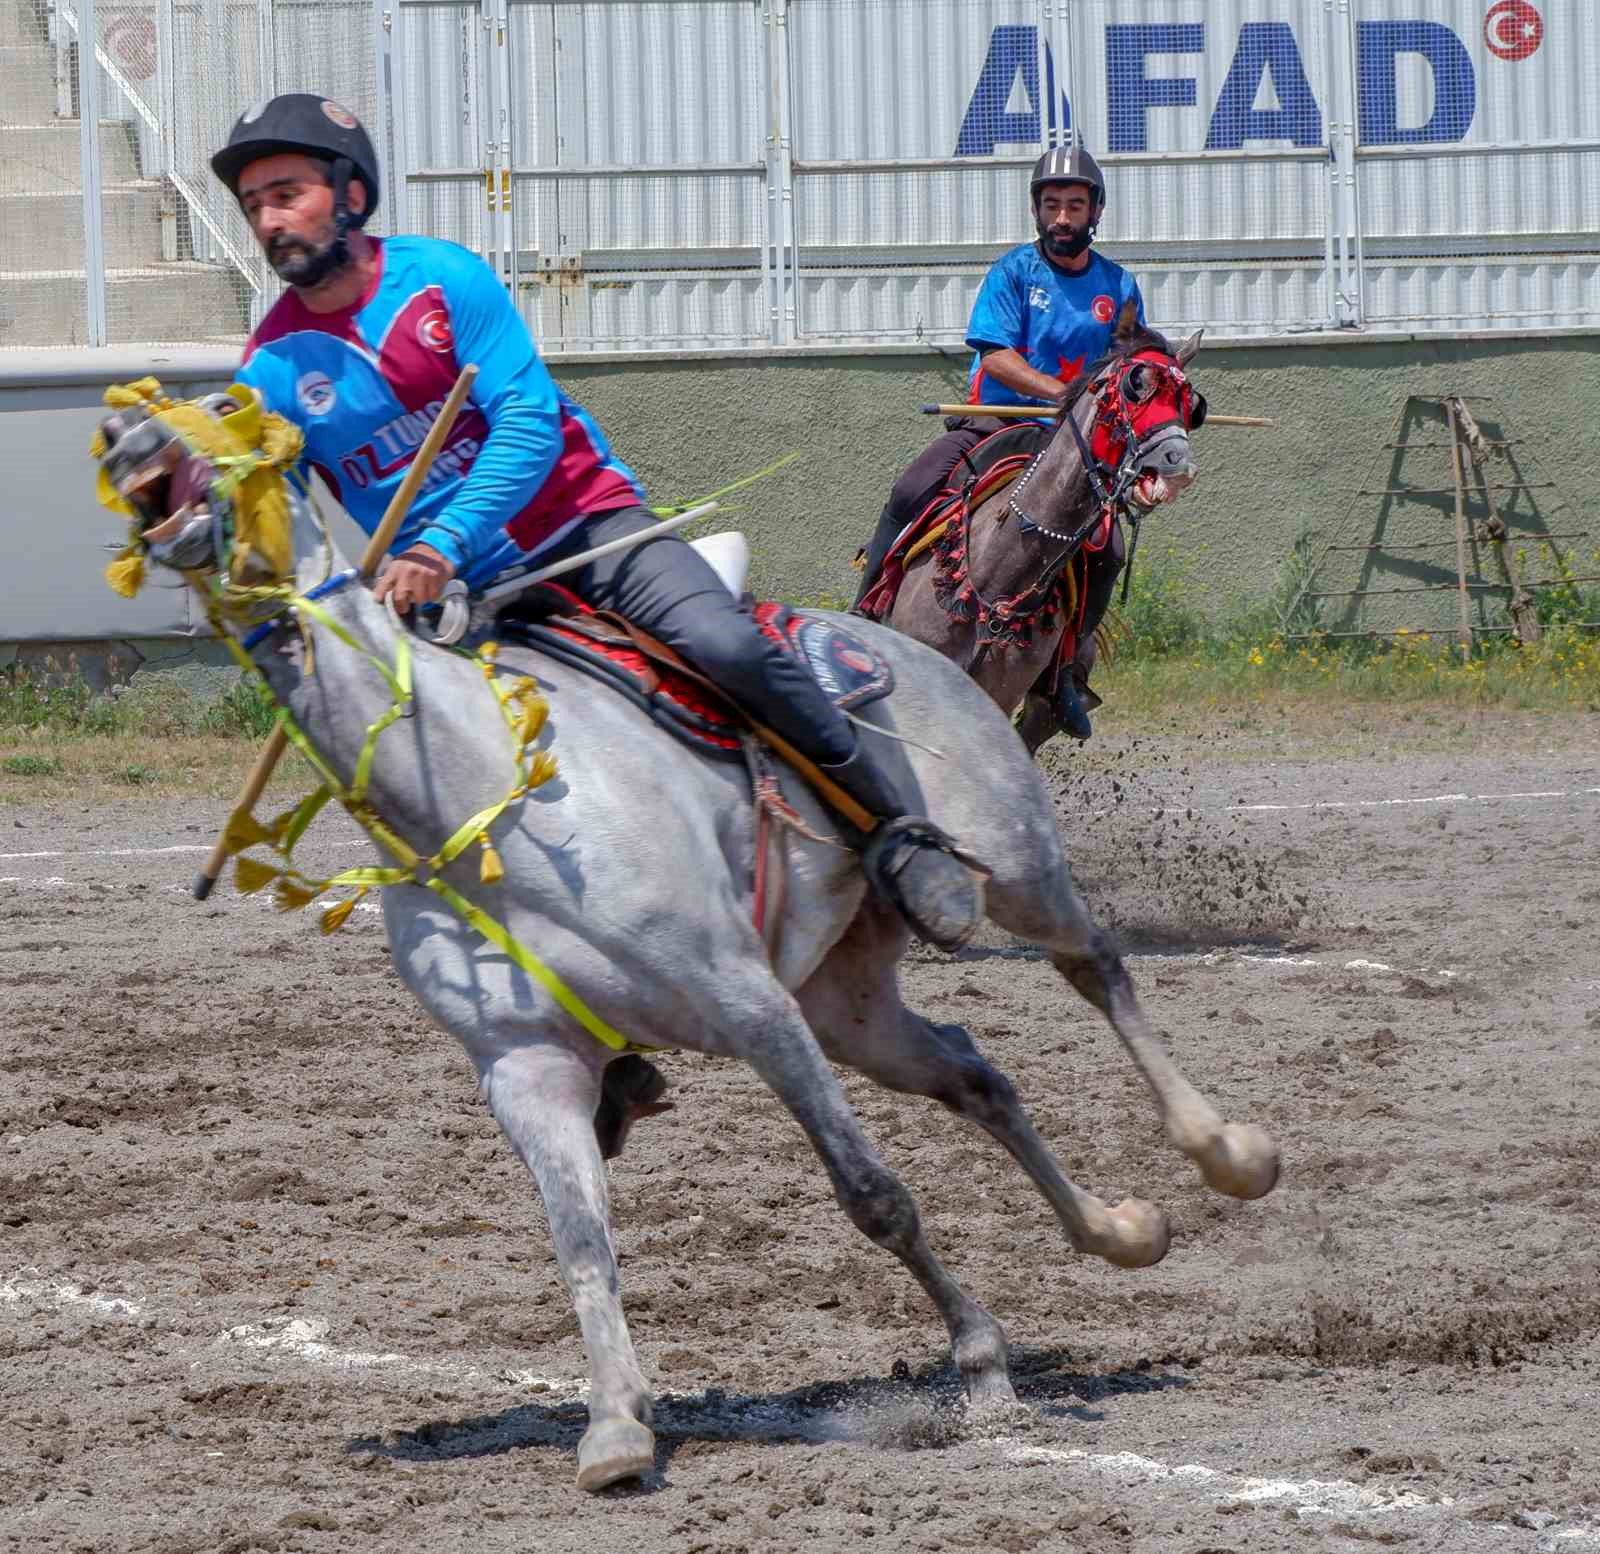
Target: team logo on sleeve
(433,331)
(1103,308)
(316,393)
(1039,298)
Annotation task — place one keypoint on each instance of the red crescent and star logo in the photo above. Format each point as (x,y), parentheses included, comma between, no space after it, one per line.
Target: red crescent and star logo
(1513,29)
(433,331)
(1103,308)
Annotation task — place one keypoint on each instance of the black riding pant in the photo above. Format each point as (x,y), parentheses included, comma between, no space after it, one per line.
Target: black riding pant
(920,482)
(668,589)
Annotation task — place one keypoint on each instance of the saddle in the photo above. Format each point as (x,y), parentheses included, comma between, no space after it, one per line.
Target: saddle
(980,472)
(613,651)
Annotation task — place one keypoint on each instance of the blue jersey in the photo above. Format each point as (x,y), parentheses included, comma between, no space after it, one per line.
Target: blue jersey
(522,464)
(1058,322)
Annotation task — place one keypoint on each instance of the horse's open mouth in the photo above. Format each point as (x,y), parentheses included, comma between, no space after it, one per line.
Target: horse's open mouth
(1151,489)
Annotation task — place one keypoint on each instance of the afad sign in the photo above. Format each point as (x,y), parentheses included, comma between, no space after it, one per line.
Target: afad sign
(1266,94)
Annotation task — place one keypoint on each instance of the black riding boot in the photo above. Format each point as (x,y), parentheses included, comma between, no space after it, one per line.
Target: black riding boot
(909,861)
(890,523)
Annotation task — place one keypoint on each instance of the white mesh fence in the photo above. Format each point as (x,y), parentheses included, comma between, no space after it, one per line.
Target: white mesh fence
(701,173)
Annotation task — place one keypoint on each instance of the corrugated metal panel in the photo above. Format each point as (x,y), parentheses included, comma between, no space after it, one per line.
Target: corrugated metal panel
(903,81)
(1554,292)
(674,87)
(439,139)
(1500,79)
(903,306)
(673,159)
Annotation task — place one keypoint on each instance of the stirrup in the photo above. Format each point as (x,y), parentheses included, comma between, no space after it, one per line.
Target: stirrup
(948,904)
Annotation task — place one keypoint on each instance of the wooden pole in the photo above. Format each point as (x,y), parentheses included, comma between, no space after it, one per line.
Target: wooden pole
(400,505)
(1456,460)
(1045,413)
(377,548)
(1480,447)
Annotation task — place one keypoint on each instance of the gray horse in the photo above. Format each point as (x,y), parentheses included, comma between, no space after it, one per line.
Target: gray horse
(1131,412)
(630,876)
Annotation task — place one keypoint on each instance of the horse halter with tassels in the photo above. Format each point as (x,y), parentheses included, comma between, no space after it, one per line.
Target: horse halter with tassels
(1125,428)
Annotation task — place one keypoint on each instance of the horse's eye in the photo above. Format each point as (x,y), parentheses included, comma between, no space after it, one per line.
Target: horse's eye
(1140,385)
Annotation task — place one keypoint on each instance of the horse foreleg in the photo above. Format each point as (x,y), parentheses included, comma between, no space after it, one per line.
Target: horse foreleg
(1234,1158)
(544,1097)
(783,1051)
(853,1004)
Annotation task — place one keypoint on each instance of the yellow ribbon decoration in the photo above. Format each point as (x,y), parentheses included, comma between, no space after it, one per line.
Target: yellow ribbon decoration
(524,710)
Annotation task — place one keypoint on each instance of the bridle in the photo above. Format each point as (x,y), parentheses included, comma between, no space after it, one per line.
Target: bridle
(1114,450)
(1118,443)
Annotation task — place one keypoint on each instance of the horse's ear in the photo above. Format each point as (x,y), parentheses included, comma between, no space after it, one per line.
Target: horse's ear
(1128,320)
(1186,351)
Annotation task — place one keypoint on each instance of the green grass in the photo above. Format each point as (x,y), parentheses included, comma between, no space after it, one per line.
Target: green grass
(60,738)
(1275,649)
(31,766)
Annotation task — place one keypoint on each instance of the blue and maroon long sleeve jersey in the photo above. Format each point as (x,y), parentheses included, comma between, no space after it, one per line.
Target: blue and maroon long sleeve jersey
(523,462)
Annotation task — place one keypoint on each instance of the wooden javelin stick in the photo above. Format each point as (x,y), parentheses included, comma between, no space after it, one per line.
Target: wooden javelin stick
(1045,413)
(377,548)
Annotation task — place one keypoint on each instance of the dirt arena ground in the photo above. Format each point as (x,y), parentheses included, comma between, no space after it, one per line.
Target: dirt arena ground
(270,1280)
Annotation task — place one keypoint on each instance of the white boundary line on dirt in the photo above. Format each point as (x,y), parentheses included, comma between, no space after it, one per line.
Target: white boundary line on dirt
(304,1338)
(142,852)
(1436,798)
(1226,958)
(1226,809)
(29,1287)
(1329,1497)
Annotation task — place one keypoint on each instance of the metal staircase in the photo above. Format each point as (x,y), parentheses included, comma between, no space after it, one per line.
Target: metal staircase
(149,298)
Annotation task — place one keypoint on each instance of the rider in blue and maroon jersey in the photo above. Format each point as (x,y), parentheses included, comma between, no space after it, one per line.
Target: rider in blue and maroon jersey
(360,353)
(1045,313)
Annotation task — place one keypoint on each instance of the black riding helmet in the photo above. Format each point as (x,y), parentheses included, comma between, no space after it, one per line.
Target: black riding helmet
(1067,164)
(315,127)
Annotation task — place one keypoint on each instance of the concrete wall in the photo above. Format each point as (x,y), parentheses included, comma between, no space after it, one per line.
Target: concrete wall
(689,425)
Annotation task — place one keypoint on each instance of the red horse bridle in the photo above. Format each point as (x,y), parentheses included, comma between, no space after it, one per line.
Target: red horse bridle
(1132,415)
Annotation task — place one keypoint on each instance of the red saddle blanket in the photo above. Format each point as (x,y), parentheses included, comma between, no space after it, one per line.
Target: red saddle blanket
(850,673)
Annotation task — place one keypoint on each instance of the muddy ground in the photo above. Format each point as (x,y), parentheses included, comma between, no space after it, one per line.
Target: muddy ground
(269,1279)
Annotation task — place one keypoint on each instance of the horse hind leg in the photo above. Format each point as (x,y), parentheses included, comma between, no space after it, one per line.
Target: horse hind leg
(785,1053)
(853,1004)
(544,1096)
(1238,1159)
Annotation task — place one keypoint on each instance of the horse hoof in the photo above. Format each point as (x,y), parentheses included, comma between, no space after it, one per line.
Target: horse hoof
(612,1450)
(1140,1234)
(1241,1161)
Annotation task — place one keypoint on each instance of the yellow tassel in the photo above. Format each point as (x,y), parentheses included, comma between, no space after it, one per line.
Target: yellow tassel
(490,870)
(250,874)
(489,651)
(126,574)
(292,895)
(244,830)
(542,768)
(535,709)
(334,918)
(140,391)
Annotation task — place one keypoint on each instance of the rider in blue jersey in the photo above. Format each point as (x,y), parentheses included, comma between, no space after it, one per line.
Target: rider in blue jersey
(1046,312)
(361,352)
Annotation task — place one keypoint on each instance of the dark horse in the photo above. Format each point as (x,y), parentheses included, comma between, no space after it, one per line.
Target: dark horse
(1022,570)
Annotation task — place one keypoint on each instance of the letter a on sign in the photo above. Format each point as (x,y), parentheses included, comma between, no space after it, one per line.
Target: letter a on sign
(989,120)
